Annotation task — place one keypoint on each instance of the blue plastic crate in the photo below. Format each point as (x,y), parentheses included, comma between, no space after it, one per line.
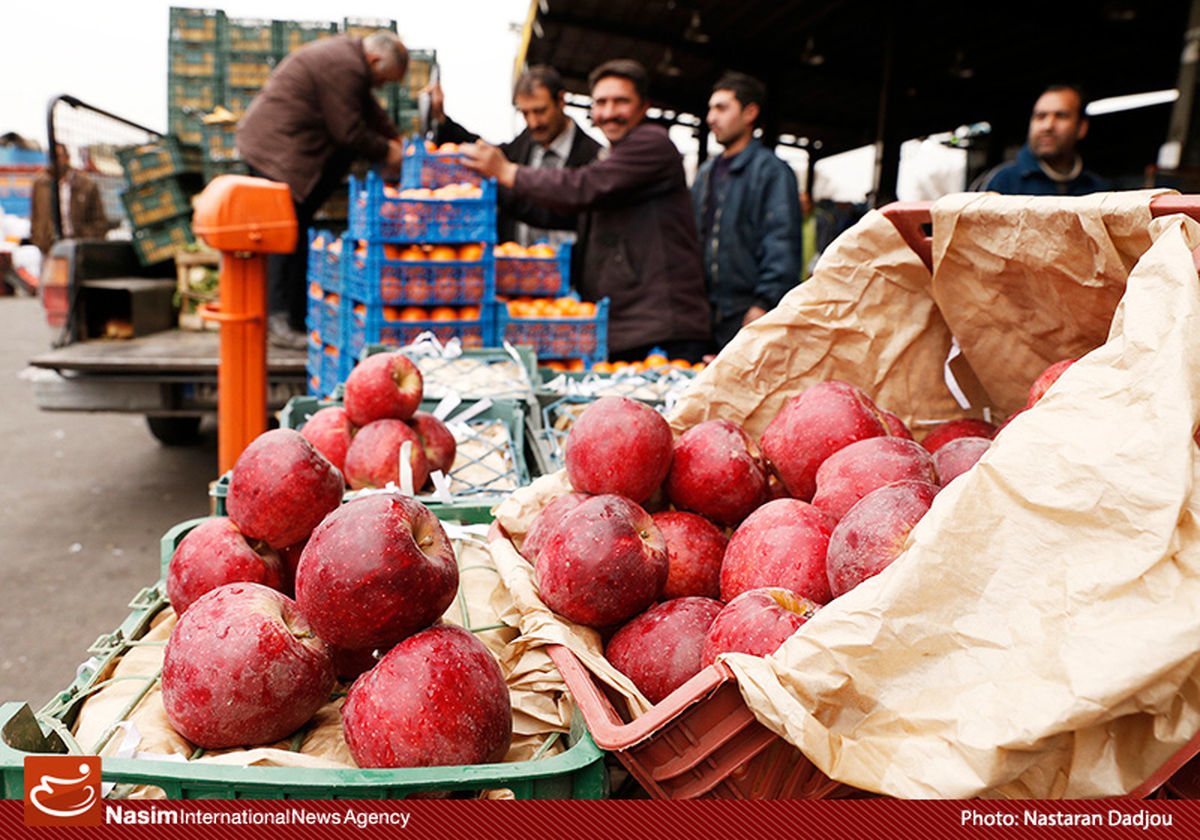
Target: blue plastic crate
(535,276)
(368,324)
(318,240)
(16,205)
(16,156)
(334,367)
(379,214)
(560,338)
(316,308)
(313,367)
(423,168)
(382,278)
(331,318)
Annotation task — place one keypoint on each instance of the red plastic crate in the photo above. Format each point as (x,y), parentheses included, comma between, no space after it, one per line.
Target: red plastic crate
(700,741)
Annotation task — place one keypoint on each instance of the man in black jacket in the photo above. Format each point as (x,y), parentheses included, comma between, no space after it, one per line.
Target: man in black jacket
(550,140)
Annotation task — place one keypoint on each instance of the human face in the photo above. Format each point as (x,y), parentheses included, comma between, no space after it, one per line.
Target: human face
(1056,126)
(731,124)
(616,107)
(544,116)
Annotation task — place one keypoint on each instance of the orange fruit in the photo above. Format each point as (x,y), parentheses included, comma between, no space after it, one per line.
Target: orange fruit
(655,360)
(448,149)
(555,365)
(602,367)
(314,291)
(698,366)
(575,366)
(443,253)
(413,192)
(540,249)
(681,363)
(333,299)
(586,309)
(335,246)
(470,252)
(469,313)
(413,313)
(318,243)
(393,252)
(443,313)
(412,252)
(392,192)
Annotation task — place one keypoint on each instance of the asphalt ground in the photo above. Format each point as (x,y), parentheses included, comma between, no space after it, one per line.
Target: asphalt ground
(84,499)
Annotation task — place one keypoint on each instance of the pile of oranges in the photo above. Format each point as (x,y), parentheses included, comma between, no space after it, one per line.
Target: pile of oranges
(448,192)
(471,252)
(420,313)
(560,307)
(541,250)
(434,149)
(654,361)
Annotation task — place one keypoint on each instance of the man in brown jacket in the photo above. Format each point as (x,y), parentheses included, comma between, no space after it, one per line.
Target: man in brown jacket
(82,208)
(641,248)
(315,115)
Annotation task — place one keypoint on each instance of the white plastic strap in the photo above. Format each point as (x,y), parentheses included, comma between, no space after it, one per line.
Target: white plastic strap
(441,487)
(952,383)
(406,473)
(447,404)
(479,407)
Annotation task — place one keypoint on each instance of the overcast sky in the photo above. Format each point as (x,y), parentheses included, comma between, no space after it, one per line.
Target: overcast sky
(114,55)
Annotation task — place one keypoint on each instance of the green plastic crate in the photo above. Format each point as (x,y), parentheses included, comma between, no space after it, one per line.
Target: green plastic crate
(247,69)
(249,35)
(194,95)
(160,242)
(496,372)
(160,201)
(214,168)
(220,141)
(162,158)
(202,26)
(576,773)
(293,34)
(197,61)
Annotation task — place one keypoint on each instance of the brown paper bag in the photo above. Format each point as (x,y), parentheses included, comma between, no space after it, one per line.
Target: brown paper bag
(1040,635)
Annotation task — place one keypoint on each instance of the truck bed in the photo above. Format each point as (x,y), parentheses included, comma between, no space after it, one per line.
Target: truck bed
(170,351)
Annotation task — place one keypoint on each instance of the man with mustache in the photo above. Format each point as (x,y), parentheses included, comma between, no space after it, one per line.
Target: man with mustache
(550,139)
(640,241)
(1049,163)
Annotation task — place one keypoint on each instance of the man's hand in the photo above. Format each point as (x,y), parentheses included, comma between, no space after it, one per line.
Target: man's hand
(437,101)
(753,314)
(488,160)
(394,159)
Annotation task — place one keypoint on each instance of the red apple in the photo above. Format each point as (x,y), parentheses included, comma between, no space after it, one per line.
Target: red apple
(437,698)
(659,650)
(695,549)
(783,543)
(373,458)
(756,622)
(814,425)
(621,446)
(546,520)
(943,433)
(330,431)
(854,471)
(242,667)
(214,553)
(959,455)
(895,426)
(605,562)
(281,487)
(436,439)
(1047,378)
(378,569)
(717,472)
(383,385)
(872,533)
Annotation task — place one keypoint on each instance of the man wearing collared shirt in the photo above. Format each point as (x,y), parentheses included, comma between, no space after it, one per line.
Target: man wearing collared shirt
(551,140)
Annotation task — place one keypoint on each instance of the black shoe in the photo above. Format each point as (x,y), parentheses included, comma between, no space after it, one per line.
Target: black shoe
(280,333)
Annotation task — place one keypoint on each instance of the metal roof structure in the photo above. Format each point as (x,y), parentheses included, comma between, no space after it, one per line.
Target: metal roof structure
(845,73)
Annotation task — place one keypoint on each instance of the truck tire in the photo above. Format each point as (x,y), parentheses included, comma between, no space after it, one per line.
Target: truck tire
(174,431)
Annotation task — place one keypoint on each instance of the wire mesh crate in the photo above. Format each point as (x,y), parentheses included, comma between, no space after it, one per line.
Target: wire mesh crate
(534,276)
(394,276)
(379,212)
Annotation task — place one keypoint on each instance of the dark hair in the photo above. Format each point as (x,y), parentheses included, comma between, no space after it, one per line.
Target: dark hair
(747,89)
(1074,88)
(539,75)
(623,68)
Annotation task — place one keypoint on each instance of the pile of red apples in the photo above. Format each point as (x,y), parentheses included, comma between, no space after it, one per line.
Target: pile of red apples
(680,549)
(296,589)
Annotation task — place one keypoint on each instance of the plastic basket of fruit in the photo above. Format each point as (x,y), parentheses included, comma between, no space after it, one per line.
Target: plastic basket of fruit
(333,279)
(471,326)
(486,457)
(560,328)
(421,275)
(447,369)
(250,35)
(564,765)
(428,165)
(453,213)
(332,316)
(318,242)
(316,307)
(159,200)
(160,159)
(541,270)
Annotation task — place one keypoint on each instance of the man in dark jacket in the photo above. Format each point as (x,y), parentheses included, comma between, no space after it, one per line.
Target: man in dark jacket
(1049,163)
(747,206)
(80,205)
(641,250)
(551,139)
(315,115)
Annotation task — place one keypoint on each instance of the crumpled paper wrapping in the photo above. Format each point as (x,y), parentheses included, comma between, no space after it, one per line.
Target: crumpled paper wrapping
(541,703)
(1040,634)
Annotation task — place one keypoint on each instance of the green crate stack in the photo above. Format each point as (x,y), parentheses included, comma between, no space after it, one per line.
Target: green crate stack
(162,177)
(195,72)
(290,35)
